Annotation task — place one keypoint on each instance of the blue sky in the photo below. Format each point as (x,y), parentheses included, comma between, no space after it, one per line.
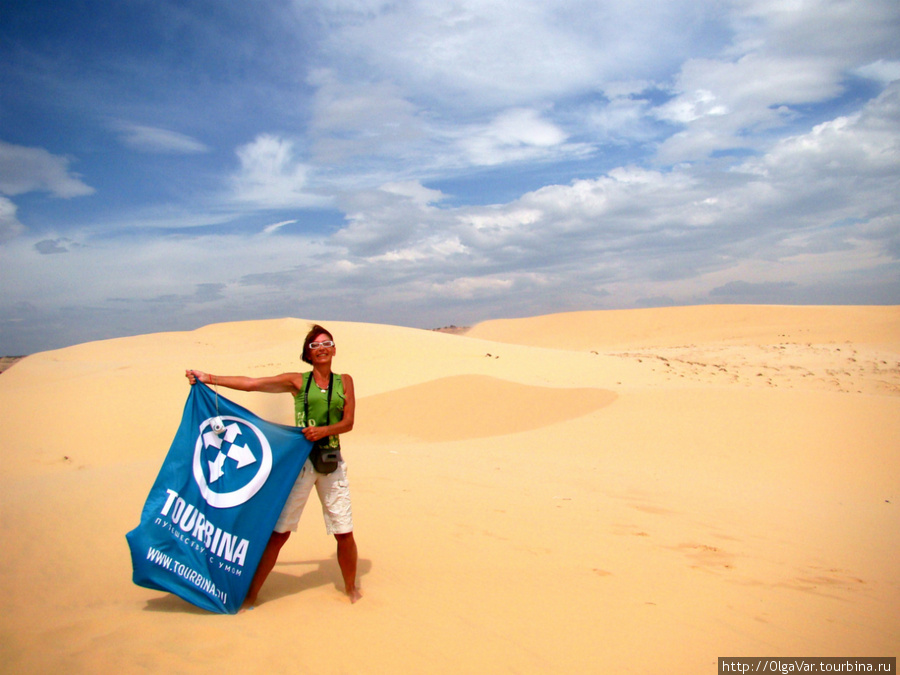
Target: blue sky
(164,165)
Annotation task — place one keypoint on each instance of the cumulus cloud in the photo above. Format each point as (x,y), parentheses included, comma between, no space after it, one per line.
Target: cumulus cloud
(512,136)
(9,223)
(778,59)
(622,119)
(805,210)
(851,160)
(413,191)
(719,102)
(24,169)
(388,219)
(271,176)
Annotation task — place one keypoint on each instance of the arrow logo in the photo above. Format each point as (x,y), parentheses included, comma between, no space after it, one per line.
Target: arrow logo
(231,445)
(215,468)
(242,454)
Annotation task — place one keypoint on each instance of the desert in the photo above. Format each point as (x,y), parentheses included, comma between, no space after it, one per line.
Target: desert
(604,491)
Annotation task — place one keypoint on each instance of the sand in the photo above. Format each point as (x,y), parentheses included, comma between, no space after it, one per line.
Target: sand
(637,491)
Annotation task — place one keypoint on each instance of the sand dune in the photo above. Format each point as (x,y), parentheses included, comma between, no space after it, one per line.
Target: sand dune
(638,491)
(673,326)
(474,406)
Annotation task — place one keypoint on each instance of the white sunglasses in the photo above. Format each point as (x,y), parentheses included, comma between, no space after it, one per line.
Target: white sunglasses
(316,345)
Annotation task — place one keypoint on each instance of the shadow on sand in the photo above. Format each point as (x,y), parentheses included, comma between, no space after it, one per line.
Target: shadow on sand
(280,584)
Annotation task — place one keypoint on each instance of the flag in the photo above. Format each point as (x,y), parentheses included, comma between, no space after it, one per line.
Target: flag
(215,502)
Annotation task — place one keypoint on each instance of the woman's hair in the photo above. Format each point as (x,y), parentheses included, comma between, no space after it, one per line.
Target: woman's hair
(313,332)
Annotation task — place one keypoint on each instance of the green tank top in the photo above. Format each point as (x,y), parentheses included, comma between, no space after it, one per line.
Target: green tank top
(318,403)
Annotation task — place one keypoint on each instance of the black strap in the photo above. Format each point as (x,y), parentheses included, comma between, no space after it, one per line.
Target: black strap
(306,398)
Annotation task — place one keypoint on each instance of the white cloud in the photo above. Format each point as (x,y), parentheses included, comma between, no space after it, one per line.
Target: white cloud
(414,191)
(720,102)
(692,106)
(501,53)
(783,220)
(847,32)
(501,220)
(845,152)
(434,248)
(9,224)
(161,141)
(371,132)
(783,55)
(881,70)
(391,218)
(512,136)
(274,227)
(24,169)
(622,119)
(407,86)
(272,177)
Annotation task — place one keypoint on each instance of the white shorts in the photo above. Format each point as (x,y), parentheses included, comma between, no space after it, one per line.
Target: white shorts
(334,493)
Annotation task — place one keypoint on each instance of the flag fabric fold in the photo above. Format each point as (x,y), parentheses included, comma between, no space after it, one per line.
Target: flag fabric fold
(215,502)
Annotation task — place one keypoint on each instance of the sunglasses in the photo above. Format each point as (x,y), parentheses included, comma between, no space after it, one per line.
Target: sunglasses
(316,345)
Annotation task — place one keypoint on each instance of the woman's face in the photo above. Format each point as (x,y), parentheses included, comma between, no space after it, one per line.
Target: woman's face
(321,353)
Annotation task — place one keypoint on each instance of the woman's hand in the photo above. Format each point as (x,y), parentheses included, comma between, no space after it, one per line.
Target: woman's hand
(195,376)
(313,434)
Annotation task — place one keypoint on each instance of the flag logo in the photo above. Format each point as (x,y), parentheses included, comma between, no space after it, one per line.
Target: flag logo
(232,466)
(215,502)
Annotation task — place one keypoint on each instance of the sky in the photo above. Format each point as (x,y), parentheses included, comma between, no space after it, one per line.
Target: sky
(169,164)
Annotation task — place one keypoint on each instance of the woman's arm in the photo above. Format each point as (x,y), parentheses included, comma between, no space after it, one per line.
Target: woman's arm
(277,384)
(346,424)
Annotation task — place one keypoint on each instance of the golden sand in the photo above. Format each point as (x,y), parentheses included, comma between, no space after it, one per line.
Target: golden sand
(636,491)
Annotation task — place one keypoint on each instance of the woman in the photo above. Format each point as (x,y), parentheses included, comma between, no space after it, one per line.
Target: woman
(319,396)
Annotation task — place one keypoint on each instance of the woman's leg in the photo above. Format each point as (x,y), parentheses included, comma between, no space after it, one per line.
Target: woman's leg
(347,556)
(266,565)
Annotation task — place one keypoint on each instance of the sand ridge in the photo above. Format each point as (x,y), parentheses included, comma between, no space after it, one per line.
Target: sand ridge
(665,487)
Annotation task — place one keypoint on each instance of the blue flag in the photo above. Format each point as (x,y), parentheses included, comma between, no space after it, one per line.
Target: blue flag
(215,502)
